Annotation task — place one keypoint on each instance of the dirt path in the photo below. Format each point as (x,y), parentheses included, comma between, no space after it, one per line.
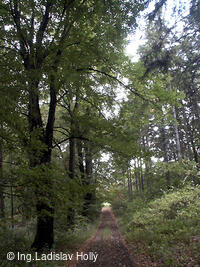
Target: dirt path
(106,248)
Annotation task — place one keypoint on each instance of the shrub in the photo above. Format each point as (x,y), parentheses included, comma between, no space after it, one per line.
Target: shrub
(166,225)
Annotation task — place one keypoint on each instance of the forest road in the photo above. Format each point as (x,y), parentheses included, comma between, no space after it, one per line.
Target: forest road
(106,248)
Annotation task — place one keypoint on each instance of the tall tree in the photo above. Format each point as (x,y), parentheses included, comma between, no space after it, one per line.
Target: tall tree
(44,34)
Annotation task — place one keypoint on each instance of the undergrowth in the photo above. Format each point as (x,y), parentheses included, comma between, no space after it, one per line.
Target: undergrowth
(167,227)
(20,238)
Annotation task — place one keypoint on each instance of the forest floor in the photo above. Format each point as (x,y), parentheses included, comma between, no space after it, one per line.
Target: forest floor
(107,247)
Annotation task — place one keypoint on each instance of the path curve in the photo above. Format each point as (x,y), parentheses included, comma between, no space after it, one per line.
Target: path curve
(107,247)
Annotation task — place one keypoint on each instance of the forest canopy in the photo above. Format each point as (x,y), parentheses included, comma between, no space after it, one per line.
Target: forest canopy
(67,142)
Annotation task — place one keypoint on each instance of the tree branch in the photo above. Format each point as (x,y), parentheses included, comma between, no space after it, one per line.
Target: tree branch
(16,17)
(71,137)
(44,23)
(117,80)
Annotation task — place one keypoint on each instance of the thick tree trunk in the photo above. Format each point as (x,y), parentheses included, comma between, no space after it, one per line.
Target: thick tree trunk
(45,208)
(44,237)
(44,234)
(45,219)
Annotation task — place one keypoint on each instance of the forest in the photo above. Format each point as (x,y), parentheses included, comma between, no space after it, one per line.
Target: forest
(85,125)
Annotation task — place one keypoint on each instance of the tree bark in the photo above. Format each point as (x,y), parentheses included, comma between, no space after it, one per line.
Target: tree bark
(45,209)
(44,234)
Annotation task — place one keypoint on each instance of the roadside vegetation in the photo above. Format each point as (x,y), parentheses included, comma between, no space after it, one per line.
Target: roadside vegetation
(165,228)
(67,240)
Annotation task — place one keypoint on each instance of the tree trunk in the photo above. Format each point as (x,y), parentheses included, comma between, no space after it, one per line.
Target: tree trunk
(80,159)
(189,136)
(148,183)
(196,158)
(44,237)
(147,161)
(178,146)
(194,102)
(165,154)
(44,234)
(90,195)
(72,161)
(12,206)
(33,54)
(1,188)
(136,176)
(130,188)
(45,207)
(72,157)
(2,204)
(70,211)
(141,176)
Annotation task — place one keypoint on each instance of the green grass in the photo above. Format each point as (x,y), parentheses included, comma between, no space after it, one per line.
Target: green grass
(169,227)
(106,233)
(72,239)
(20,239)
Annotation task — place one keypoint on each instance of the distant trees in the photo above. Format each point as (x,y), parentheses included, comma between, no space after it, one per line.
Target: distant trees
(160,118)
